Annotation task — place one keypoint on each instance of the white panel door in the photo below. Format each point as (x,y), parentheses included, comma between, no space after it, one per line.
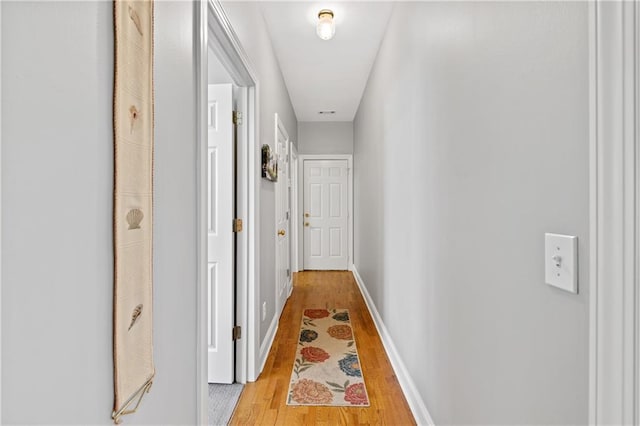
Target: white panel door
(283,259)
(220,246)
(326,214)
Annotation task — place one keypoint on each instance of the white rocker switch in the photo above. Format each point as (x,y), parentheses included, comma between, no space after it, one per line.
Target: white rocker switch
(561,261)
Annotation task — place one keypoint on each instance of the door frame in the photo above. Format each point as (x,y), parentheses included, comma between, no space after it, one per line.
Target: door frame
(614,351)
(301,159)
(212,29)
(0,214)
(295,255)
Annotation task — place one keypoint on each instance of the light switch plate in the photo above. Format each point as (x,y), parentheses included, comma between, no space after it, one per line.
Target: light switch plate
(561,261)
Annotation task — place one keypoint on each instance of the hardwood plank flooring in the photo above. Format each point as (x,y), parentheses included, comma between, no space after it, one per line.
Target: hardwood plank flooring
(264,401)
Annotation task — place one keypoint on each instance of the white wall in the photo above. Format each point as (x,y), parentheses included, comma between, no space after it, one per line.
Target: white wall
(57,187)
(248,23)
(471,141)
(333,137)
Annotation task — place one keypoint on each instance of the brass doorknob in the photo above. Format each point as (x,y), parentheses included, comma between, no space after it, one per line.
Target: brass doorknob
(281,232)
(306,215)
(306,224)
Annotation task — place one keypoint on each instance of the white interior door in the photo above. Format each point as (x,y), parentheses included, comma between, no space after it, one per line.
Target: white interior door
(326,213)
(220,245)
(283,267)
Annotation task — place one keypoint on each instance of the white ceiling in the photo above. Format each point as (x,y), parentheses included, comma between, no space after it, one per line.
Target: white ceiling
(326,75)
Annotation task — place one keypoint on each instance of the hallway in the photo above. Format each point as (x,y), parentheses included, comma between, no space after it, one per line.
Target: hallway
(475,133)
(264,401)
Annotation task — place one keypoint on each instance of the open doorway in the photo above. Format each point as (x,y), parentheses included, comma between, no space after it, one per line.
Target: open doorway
(222,130)
(227,207)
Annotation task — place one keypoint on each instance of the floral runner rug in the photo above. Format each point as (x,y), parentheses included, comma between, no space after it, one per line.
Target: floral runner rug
(327,367)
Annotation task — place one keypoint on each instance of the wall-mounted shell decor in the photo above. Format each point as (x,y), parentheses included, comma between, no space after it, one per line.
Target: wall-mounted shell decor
(134,218)
(135,315)
(133,116)
(136,19)
(133,366)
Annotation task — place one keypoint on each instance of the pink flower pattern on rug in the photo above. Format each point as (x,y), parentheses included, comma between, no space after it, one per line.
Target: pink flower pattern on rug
(307,391)
(356,394)
(314,354)
(327,370)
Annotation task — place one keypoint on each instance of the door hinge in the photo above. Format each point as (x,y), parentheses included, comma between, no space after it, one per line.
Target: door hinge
(237,118)
(288,273)
(237,225)
(237,332)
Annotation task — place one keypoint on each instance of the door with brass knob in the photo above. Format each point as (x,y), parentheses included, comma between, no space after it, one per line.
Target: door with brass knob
(325,198)
(283,277)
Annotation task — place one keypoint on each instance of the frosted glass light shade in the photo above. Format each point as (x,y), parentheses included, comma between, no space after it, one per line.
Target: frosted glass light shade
(326,27)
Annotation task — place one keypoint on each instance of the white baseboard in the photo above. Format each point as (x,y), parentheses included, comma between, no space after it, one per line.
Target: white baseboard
(265,347)
(416,404)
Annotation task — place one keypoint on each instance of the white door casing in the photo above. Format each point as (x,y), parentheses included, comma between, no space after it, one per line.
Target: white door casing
(294,217)
(326,214)
(213,31)
(283,268)
(220,247)
(0,213)
(615,213)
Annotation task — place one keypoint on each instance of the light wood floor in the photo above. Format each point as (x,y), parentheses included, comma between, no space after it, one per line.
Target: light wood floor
(264,402)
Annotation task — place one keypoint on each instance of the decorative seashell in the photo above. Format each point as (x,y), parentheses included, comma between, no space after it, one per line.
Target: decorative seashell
(133,116)
(134,217)
(135,315)
(136,19)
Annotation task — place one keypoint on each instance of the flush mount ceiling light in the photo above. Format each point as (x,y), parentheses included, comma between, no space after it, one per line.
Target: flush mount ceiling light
(326,112)
(326,27)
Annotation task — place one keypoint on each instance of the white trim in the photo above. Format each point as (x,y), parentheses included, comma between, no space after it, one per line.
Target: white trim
(253,213)
(593,209)
(0,214)
(636,118)
(201,52)
(349,158)
(300,265)
(295,211)
(268,341)
(416,404)
(241,238)
(614,357)
(212,30)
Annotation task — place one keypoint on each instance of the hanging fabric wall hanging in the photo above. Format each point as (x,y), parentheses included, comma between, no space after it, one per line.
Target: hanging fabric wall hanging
(133,204)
